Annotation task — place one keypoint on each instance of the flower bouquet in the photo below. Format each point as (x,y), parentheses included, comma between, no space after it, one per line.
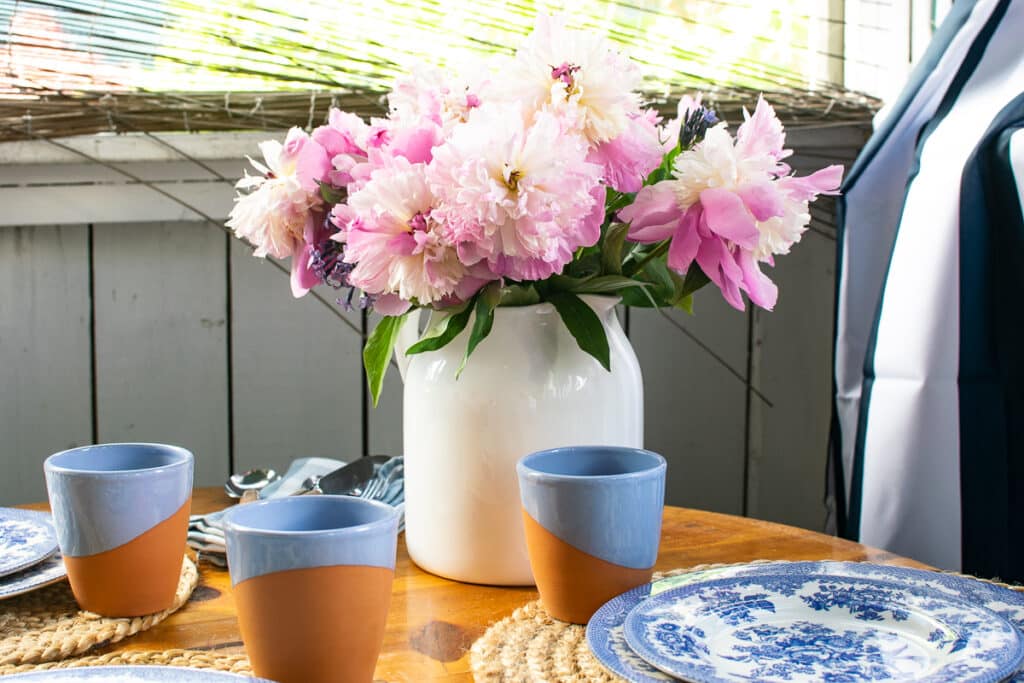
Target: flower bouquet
(539,180)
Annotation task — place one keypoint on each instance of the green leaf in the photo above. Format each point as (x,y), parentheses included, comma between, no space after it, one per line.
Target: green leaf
(685,304)
(616,201)
(642,297)
(607,284)
(452,325)
(611,255)
(486,302)
(695,279)
(584,325)
(377,352)
(585,264)
(658,273)
(331,194)
(656,176)
(566,283)
(519,295)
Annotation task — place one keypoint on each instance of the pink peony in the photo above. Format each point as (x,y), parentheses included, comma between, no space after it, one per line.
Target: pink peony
(521,198)
(630,158)
(345,138)
(400,250)
(730,206)
(281,214)
(577,77)
(429,94)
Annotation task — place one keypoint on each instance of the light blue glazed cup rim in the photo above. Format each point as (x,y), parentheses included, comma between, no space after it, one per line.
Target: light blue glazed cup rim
(384,523)
(181,457)
(654,467)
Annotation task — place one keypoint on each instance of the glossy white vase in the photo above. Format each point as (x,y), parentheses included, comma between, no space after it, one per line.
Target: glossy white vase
(527,387)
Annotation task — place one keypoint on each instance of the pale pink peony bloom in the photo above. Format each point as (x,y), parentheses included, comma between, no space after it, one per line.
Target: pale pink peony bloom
(521,198)
(399,248)
(629,159)
(345,138)
(281,214)
(430,94)
(730,206)
(576,76)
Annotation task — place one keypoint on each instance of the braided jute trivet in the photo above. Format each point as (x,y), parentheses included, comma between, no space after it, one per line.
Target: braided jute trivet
(193,659)
(530,646)
(46,625)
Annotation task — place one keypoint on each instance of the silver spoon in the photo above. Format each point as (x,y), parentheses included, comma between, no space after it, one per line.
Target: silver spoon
(253,480)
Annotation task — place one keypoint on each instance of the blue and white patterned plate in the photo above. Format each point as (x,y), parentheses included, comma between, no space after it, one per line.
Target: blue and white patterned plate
(51,570)
(793,626)
(133,674)
(26,538)
(608,641)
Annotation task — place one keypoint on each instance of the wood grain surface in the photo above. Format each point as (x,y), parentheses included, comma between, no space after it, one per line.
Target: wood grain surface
(433,621)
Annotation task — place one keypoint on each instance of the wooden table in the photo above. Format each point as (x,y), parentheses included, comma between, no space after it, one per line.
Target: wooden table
(433,621)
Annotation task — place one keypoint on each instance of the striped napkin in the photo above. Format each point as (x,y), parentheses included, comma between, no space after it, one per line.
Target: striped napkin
(206,534)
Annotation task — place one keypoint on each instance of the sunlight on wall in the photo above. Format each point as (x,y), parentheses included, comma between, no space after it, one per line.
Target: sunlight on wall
(238,45)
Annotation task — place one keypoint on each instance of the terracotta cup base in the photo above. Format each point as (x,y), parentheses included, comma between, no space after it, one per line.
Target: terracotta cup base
(574,584)
(134,579)
(315,625)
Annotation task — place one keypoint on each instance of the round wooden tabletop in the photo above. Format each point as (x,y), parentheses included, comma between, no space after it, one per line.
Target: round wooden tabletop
(433,621)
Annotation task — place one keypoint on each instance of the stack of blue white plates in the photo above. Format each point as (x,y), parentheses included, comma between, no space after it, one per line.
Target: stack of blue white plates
(812,621)
(28,552)
(134,674)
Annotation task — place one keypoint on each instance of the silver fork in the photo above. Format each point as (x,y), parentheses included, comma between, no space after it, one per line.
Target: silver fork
(372,489)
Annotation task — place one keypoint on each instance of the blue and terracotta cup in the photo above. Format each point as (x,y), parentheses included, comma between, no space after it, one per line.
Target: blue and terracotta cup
(312,580)
(121,514)
(592,516)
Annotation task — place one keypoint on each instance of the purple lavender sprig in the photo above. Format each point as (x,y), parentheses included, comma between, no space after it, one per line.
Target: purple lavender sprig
(695,126)
(326,260)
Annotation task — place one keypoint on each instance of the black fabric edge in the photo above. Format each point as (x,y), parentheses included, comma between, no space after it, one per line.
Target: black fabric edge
(991,404)
(835,480)
(964,72)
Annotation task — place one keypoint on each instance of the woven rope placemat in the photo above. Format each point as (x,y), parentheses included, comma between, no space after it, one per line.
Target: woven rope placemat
(531,646)
(193,659)
(46,625)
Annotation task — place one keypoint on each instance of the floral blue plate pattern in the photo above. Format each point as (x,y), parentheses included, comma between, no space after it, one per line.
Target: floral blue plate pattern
(133,674)
(26,538)
(50,570)
(793,626)
(608,641)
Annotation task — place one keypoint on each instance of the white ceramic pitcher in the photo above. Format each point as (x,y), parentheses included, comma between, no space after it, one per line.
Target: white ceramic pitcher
(527,387)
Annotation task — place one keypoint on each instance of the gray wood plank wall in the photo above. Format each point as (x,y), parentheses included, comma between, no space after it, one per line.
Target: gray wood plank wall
(171,331)
(45,357)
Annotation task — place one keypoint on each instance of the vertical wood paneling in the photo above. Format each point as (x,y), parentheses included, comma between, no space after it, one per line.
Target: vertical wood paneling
(297,390)
(792,357)
(45,397)
(161,339)
(794,370)
(694,410)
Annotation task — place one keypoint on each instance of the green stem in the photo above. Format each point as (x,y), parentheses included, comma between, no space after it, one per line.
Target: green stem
(617,204)
(658,251)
